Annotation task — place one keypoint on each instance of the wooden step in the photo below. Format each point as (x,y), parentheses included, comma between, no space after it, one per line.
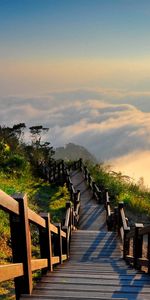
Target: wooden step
(24,297)
(80,294)
(95,269)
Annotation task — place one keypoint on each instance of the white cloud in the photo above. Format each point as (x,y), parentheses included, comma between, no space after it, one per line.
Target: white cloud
(135,165)
(109,123)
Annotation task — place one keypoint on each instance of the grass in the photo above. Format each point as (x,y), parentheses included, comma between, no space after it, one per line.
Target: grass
(122,188)
(42,197)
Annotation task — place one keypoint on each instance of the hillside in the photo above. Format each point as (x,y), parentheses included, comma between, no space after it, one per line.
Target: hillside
(74,152)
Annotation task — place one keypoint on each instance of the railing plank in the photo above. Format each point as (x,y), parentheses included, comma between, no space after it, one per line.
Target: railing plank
(143,262)
(10,271)
(37,264)
(53,228)
(67,219)
(64,257)
(123,217)
(63,234)
(36,219)
(55,260)
(8,203)
(144,230)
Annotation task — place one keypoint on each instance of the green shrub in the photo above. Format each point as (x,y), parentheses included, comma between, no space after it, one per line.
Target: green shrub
(121,188)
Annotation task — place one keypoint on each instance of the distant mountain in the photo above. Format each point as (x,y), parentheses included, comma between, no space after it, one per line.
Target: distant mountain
(74,152)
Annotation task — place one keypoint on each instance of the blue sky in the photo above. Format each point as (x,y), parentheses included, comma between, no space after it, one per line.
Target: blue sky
(74,29)
(57,44)
(82,68)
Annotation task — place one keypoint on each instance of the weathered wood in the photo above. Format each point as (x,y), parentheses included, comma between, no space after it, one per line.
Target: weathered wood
(37,264)
(55,260)
(144,230)
(10,271)
(46,241)
(126,243)
(21,246)
(137,245)
(68,214)
(36,219)
(64,257)
(148,253)
(53,228)
(63,234)
(8,204)
(58,243)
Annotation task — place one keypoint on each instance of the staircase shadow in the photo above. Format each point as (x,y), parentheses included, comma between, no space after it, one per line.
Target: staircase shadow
(127,281)
(90,217)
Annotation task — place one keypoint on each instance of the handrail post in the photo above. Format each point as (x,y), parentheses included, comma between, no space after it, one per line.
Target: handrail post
(93,187)
(126,243)
(148,253)
(100,197)
(85,172)
(75,199)
(120,206)
(21,246)
(80,163)
(66,243)
(137,246)
(46,241)
(89,179)
(69,205)
(115,218)
(58,242)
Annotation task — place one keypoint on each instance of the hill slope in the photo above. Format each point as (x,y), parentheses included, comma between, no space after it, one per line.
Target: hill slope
(74,152)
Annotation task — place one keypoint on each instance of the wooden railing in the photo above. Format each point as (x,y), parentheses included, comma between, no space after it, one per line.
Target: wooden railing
(54,240)
(135,240)
(54,171)
(90,181)
(102,198)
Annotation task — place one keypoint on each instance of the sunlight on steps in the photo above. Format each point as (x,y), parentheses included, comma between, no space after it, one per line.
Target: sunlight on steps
(95,269)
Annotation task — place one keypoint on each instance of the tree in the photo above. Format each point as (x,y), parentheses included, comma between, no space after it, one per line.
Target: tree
(40,152)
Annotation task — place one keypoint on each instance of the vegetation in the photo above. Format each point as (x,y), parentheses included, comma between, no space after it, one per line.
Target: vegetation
(135,196)
(20,171)
(72,152)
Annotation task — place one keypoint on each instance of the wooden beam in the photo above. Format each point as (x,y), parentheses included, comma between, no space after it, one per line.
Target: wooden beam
(55,260)
(64,257)
(37,264)
(21,246)
(36,219)
(53,228)
(46,242)
(10,271)
(63,234)
(8,203)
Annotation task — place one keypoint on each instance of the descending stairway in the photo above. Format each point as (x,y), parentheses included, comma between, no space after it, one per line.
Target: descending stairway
(96,269)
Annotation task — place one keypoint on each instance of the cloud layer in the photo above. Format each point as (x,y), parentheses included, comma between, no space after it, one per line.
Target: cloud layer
(108,123)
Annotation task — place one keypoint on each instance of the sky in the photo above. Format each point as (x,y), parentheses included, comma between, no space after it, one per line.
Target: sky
(81,68)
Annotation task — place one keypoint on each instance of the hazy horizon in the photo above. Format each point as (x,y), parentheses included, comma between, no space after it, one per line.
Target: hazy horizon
(81,68)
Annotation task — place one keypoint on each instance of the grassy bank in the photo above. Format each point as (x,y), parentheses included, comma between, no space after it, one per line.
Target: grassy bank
(42,197)
(135,196)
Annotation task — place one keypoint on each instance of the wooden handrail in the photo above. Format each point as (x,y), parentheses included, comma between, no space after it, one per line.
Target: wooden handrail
(36,219)
(123,218)
(53,228)
(20,218)
(67,219)
(117,220)
(37,264)
(8,204)
(10,271)
(144,230)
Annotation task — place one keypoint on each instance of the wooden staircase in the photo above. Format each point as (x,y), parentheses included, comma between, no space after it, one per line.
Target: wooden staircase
(95,269)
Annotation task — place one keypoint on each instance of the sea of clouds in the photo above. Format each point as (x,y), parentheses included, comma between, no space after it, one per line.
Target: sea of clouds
(113,125)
